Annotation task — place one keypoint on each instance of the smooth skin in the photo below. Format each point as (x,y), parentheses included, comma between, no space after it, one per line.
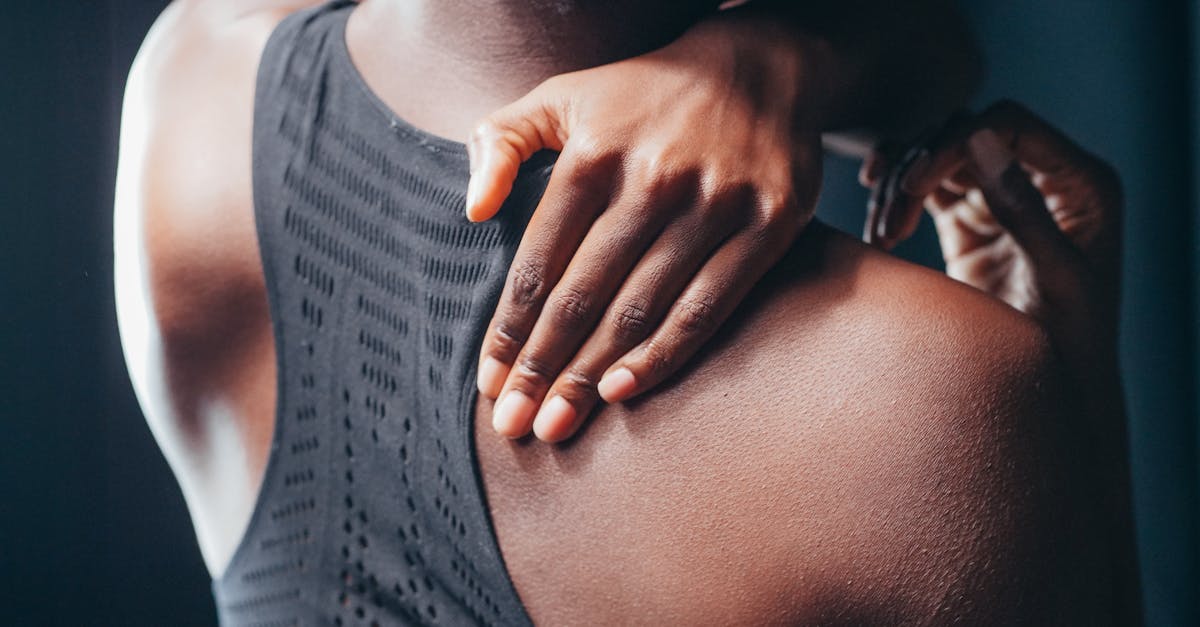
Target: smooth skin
(844,453)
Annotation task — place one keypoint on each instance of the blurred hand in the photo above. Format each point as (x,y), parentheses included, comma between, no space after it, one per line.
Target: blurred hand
(1022,213)
(684,175)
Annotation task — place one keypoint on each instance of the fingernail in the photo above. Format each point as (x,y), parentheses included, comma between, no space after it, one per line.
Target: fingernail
(512,415)
(492,374)
(989,154)
(615,386)
(915,172)
(554,419)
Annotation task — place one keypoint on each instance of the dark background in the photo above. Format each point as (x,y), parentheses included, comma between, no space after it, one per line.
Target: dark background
(93,529)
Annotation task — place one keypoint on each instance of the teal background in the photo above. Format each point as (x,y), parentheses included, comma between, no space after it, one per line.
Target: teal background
(93,530)
(1122,78)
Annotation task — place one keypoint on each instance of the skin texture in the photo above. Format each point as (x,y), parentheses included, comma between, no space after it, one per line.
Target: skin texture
(1028,216)
(848,456)
(667,204)
(867,442)
(671,218)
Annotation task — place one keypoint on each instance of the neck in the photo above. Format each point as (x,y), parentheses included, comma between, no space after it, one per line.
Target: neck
(474,56)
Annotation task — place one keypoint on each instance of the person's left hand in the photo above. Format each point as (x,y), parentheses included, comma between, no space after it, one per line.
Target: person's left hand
(1024,214)
(684,175)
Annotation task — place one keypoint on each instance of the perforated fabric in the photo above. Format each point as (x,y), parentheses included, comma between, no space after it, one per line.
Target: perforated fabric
(371,511)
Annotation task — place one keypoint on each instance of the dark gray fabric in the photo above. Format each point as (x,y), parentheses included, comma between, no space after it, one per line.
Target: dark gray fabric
(371,511)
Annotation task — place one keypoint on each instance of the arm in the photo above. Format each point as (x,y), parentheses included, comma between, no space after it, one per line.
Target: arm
(684,175)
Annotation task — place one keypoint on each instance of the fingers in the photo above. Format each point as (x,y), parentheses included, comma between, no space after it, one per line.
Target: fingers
(636,310)
(879,172)
(938,159)
(704,305)
(896,207)
(874,214)
(612,246)
(501,142)
(1033,141)
(576,193)
(1016,204)
(892,214)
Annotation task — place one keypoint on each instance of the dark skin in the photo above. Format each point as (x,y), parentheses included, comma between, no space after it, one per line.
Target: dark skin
(840,454)
(1026,215)
(185,232)
(722,160)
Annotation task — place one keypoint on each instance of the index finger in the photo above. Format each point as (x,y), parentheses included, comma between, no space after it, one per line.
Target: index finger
(576,194)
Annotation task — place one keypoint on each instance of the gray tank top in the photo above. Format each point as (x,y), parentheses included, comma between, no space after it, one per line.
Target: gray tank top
(371,511)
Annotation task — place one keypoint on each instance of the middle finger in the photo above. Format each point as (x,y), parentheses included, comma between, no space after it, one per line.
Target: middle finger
(614,243)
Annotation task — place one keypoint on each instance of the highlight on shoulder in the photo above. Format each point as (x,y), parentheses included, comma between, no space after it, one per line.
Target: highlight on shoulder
(869,432)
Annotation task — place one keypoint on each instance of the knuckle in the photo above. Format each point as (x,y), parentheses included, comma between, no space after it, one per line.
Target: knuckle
(658,361)
(572,306)
(575,384)
(777,204)
(506,342)
(660,172)
(527,281)
(630,319)
(653,161)
(696,314)
(534,370)
(590,152)
(766,235)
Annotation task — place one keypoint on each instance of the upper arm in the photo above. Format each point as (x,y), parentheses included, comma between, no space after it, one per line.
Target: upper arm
(1003,536)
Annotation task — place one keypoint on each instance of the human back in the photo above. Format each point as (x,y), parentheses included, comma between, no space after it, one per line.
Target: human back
(821,441)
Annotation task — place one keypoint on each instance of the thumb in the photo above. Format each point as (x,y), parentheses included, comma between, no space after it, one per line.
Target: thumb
(502,141)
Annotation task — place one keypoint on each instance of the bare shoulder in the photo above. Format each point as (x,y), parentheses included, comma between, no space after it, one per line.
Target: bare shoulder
(191,302)
(185,246)
(184,192)
(905,326)
(862,444)
(928,413)
(949,449)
